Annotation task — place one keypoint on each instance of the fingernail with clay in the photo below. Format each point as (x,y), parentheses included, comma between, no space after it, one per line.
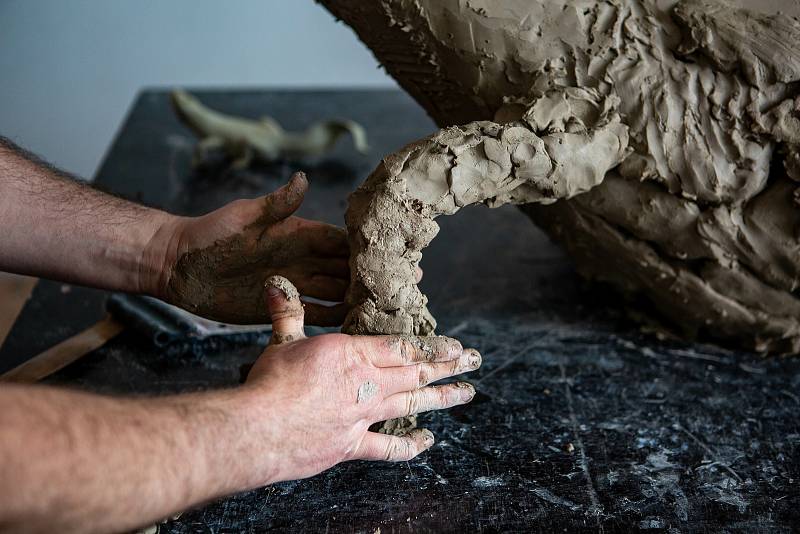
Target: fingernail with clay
(273,291)
(280,286)
(473,359)
(427,437)
(467,391)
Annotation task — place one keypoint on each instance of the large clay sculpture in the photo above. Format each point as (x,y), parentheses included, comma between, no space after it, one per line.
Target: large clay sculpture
(659,141)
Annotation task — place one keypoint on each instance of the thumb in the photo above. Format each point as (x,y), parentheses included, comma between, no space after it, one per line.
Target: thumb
(283,202)
(285,310)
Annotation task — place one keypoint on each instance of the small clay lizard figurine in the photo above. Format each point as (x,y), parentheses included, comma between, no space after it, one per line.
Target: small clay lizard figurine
(244,139)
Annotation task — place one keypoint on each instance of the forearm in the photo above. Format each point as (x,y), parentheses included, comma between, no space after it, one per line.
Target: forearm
(56,227)
(73,461)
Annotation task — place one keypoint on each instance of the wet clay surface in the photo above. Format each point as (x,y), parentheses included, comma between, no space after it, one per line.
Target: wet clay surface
(579,420)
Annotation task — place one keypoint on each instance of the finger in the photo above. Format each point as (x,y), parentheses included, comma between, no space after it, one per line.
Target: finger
(425,399)
(418,273)
(284,201)
(285,310)
(409,377)
(324,287)
(321,315)
(388,448)
(393,351)
(328,240)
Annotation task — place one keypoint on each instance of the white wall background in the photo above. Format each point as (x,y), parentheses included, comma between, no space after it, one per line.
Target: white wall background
(69,69)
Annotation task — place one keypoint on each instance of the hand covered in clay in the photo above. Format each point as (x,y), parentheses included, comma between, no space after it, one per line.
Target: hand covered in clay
(215,265)
(329,389)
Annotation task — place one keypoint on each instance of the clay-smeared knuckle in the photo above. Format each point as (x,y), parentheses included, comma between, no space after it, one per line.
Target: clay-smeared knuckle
(402,347)
(357,349)
(416,349)
(408,349)
(433,348)
(444,348)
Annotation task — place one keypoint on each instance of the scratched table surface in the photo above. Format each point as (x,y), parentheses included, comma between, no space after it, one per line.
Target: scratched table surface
(581,421)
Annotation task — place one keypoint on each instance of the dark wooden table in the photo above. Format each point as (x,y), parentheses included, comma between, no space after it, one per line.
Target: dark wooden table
(581,421)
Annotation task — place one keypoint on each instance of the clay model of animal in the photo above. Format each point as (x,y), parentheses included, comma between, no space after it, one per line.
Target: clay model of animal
(244,139)
(657,140)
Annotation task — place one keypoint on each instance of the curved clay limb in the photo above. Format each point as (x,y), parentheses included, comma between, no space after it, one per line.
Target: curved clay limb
(554,151)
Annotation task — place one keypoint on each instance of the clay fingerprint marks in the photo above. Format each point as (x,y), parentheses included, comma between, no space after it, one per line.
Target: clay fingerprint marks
(760,44)
(761,48)
(390,218)
(14,293)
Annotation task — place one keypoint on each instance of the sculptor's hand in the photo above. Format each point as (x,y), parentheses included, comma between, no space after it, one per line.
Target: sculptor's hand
(215,265)
(327,390)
